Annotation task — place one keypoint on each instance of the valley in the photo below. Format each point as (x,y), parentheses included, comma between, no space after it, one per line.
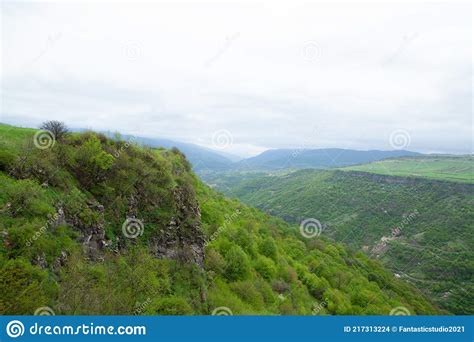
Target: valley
(420,227)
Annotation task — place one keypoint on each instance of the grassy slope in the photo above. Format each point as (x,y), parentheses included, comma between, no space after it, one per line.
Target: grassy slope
(456,169)
(254,263)
(435,250)
(14,135)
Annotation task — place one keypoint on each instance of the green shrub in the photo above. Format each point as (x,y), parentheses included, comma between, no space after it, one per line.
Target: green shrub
(214,261)
(23,287)
(237,264)
(268,248)
(316,286)
(170,306)
(7,159)
(265,267)
(247,291)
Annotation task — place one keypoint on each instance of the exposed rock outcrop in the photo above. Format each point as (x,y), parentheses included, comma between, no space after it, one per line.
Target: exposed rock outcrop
(183,238)
(92,234)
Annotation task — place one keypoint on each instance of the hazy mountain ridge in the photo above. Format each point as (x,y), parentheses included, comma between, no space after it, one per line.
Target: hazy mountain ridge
(315,158)
(206,160)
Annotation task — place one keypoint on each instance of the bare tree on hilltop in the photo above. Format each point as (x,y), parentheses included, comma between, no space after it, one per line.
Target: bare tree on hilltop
(58,128)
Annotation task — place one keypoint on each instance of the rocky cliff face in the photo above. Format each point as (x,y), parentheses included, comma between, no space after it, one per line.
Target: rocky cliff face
(100,189)
(92,235)
(182,239)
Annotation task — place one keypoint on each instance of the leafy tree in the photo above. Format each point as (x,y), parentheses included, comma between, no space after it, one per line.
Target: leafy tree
(23,287)
(237,264)
(268,248)
(58,128)
(265,267)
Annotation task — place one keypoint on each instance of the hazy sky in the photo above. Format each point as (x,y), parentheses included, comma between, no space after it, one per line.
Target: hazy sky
(260,75)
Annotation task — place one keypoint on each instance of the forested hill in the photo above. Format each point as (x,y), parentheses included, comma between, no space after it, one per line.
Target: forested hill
(91,225)
(420,228)
(280,159)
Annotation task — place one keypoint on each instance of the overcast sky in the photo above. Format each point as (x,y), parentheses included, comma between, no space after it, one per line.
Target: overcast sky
(260,75)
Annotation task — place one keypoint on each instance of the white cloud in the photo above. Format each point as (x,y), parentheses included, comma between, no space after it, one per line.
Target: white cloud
(267,73)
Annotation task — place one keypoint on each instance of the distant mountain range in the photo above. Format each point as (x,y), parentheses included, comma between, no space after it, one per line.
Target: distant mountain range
(317,158)
(205,160)
(201,158)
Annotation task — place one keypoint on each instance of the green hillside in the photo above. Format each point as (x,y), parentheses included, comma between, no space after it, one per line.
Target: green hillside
(92,225)
(303,158)
(452,168)
(432,248)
